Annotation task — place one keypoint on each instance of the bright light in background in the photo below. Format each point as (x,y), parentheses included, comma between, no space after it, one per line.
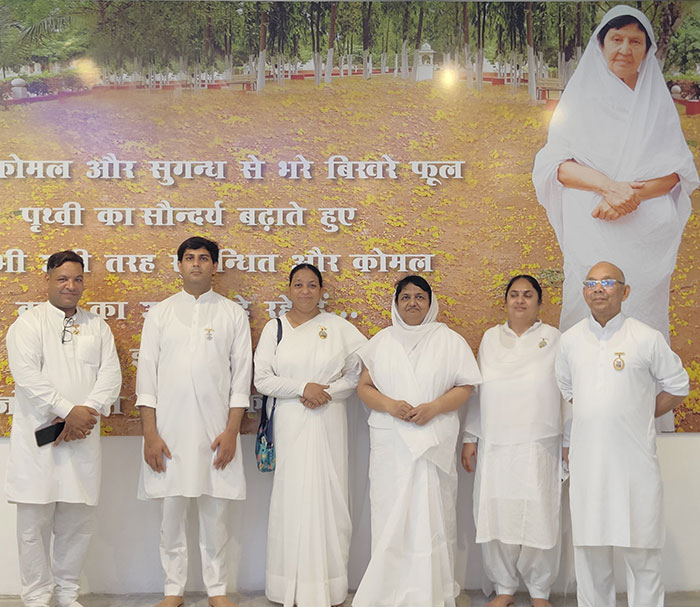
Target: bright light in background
(448,77)
(88,72)
(559,116)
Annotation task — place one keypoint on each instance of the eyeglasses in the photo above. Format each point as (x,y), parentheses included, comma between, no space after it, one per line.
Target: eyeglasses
(606,283)
(67,333)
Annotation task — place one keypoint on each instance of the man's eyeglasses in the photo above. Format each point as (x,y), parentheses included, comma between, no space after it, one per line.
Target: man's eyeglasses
(67,333)
(606,283)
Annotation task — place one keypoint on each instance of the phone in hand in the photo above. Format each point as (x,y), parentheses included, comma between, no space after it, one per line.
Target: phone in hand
(49,434)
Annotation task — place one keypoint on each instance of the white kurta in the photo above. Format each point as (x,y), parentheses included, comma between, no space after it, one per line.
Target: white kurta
(50,378)
(616,493)
(517,417)
(309,527)
(412,472)
(194,364)
(627,135)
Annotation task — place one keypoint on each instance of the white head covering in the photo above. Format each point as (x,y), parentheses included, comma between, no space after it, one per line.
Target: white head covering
(410,336)
(627,134)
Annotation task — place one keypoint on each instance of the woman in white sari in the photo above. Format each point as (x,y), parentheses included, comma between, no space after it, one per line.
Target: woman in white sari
(516,417)
(418,372)
(311,373)
(616,173)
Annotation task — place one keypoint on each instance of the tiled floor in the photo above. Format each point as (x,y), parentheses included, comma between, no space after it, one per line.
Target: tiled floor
(472,598)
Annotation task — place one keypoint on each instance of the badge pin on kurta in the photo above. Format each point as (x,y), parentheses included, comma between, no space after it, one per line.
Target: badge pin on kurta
(618,363)
(542,343)
(209,333)
(322,332)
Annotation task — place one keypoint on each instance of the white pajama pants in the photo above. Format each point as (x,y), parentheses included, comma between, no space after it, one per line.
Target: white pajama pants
(595,577)
(43,573)
(213,538)
(538,567)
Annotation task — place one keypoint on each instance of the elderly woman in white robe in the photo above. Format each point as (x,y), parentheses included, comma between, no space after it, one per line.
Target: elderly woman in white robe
(616,173)
(516,416)
(417,374)
(311,372)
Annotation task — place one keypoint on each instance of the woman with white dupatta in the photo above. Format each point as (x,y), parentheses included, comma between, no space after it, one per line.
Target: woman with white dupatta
(417,374)
(616,174)
(517,418)
(311,372)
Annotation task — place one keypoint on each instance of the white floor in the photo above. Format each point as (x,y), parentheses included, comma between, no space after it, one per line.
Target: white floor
(471,598)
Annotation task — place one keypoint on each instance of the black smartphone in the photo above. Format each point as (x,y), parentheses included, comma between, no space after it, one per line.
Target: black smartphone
(47,435)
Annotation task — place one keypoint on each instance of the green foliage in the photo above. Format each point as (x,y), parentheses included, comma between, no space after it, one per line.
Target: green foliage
(163,35)
(684,51)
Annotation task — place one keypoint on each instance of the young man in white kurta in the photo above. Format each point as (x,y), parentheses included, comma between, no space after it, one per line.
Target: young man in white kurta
(64,365)
(611,367)
(193,386)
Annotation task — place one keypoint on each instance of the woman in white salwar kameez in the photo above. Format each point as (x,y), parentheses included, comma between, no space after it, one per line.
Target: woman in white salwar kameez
(311,372)
(516,416)
(418,372)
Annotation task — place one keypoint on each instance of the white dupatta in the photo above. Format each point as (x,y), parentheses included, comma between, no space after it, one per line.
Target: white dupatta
(626,134)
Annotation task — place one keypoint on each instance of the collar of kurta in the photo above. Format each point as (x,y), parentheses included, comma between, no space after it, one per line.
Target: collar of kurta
(59,314)
(202,298)
(510,332)
(610,328)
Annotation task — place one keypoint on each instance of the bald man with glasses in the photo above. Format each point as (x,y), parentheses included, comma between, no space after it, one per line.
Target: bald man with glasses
(619,374)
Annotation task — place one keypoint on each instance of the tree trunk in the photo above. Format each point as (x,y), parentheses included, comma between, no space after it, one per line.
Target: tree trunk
(480,69)
(396,65)
(366,38)
(384,68)
(262,57)
(404,59)
(317,68)
(329,65)
(531,61)
(331,43)
(419,35)
(467,46)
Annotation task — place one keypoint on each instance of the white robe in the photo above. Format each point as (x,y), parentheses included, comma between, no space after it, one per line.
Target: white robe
(309,527)
(616,493)
(517,417)
(413,474)
(627,135)
(50,378)
(194,364)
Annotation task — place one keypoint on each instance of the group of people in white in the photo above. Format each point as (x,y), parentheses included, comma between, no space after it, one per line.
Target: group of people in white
(541,405)
(193,386)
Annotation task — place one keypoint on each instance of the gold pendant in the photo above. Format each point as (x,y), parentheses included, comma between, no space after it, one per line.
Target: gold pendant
(542,344)
(76,329)
(618,363)
(210,333)
(322,332)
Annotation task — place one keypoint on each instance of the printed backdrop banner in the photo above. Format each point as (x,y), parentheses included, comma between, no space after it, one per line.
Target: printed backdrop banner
(369,179)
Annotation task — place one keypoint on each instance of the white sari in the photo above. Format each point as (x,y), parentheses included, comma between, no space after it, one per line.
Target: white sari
(309,527)
(413,473)
(627,135)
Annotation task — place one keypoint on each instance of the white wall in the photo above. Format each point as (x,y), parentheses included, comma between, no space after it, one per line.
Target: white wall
(124,558)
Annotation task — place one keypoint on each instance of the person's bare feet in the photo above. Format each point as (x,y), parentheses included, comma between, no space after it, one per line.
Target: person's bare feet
(171,601)
(540,603)
(220,601)
(502,600)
